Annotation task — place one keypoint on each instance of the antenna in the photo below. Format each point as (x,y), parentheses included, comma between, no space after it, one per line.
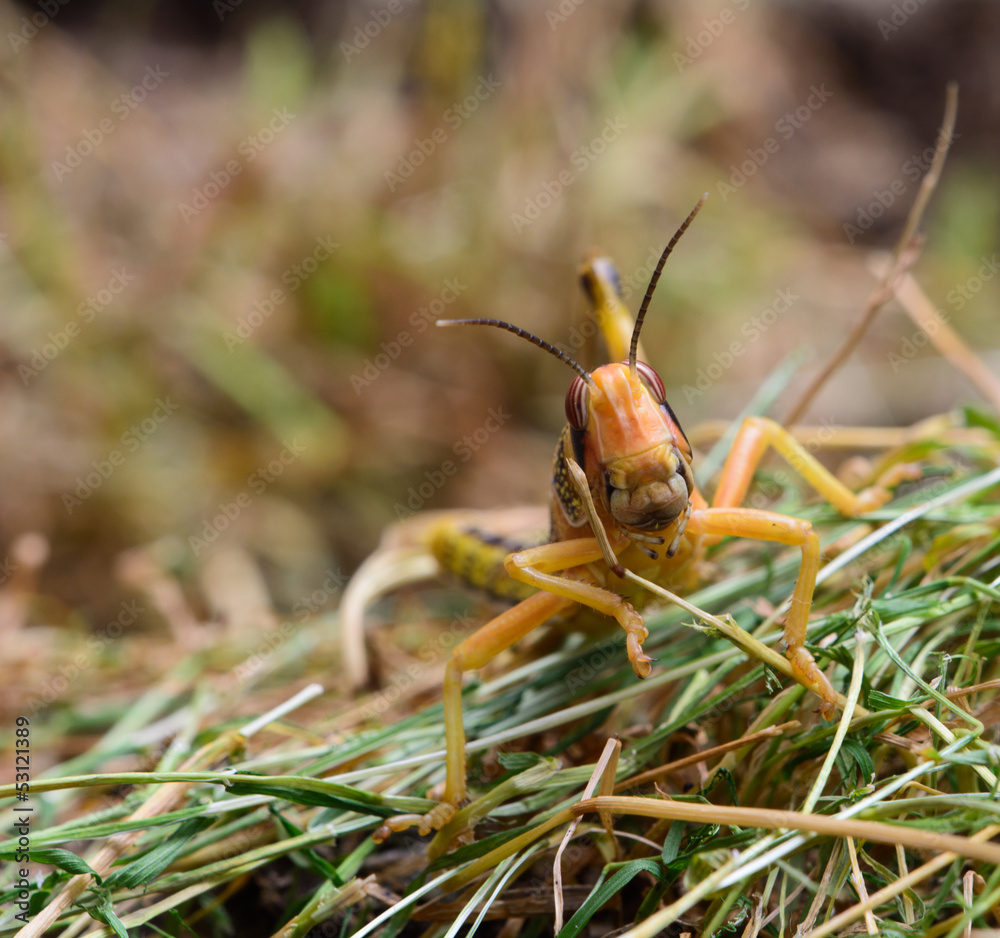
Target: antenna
(524,334)
(652,283)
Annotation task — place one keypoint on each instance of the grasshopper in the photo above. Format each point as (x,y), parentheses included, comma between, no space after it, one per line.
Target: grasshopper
(623,497)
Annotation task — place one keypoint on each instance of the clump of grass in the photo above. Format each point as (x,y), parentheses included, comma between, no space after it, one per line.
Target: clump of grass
(218,801)
(736,807)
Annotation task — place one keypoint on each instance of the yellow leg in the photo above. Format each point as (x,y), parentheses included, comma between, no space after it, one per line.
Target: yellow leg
(755,435)
(598,276)
(770,526)
(758,433)
(537,565)
(479,648)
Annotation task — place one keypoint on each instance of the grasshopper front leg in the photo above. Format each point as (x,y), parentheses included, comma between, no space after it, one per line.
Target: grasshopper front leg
(538,567)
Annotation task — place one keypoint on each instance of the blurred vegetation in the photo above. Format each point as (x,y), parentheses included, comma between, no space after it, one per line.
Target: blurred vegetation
(225,234)
(208,176)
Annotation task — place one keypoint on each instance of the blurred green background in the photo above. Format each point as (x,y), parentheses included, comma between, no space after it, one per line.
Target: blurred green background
(227,227)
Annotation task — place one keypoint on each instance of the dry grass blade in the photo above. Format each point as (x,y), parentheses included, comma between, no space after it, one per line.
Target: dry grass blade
(176,591)
(903,257)
(661,772)
(771,819)
(704,700)
(604,770)
(160,802)
(843,725)
(968,881)
(945,339)
(907,881)
(857,877)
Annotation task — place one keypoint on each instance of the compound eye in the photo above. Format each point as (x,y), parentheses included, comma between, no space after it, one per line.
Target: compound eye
(652,381)
(576,404)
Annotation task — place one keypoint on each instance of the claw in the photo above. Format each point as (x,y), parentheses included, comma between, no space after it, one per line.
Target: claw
(878,494)
(635,634)
(642,665)
(437,817)
(433,820)
(809,674)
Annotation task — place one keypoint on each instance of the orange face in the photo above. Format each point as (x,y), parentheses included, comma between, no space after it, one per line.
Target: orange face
(638,461)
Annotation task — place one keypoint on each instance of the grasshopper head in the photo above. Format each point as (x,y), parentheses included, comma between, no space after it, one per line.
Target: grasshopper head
(637,446)
(636,456)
